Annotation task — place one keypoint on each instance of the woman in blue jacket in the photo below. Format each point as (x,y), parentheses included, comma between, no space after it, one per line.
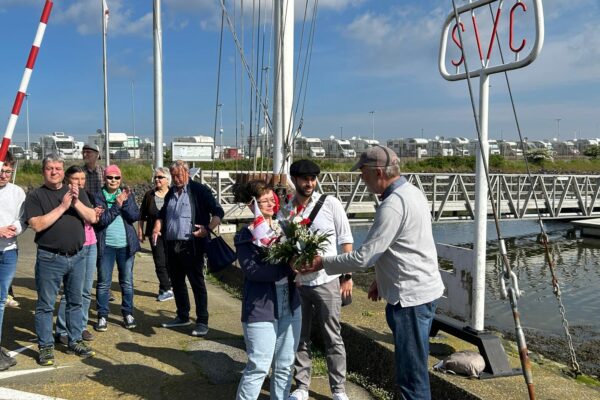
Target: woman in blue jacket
(117,240)
(271,316)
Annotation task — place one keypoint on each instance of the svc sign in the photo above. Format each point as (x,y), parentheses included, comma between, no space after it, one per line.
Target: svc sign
(504,31)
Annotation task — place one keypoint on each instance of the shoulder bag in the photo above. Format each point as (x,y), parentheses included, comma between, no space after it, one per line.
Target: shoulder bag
(218,253)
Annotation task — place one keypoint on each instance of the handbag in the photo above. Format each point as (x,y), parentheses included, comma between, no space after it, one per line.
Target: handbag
(219,254)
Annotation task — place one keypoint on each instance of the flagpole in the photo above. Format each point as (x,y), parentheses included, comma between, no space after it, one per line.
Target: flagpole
(106,134)
(158,87)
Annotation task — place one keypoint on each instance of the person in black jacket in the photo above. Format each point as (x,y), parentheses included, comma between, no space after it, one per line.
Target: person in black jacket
(152,203)
(190,211)
(117,240)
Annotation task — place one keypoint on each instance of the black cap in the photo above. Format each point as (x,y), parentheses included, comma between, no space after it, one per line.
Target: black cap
(304,168)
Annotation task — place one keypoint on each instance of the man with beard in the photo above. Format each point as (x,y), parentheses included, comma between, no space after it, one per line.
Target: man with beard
(320,292)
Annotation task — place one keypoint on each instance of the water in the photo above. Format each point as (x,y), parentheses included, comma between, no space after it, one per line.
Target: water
(577,267)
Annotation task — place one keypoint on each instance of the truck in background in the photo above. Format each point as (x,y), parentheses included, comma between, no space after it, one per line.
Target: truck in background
(338,148)
(60,144)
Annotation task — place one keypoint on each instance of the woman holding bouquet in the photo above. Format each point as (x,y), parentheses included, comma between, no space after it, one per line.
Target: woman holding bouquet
(271,316)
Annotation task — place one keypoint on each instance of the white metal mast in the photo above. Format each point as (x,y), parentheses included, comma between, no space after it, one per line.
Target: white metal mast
(158,89)
(283,83)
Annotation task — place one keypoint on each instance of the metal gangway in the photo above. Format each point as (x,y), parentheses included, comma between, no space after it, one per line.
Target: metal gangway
(450,196)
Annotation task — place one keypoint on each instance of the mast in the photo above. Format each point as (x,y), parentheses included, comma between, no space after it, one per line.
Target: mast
(283,86)
(105,76)
(158,92)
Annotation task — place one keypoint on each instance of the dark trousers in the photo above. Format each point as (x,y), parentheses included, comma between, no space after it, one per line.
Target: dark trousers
(182,263)
(160,264)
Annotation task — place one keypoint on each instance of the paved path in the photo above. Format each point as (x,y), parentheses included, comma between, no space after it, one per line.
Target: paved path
(148,362)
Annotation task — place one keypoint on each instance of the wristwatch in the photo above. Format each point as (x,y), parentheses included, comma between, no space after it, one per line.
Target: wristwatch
(346,277)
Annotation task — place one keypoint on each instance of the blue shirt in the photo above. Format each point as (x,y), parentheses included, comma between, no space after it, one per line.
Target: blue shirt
(393,186)
(179,216)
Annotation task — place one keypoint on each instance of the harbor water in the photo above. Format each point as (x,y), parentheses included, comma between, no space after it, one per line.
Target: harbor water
(578,273)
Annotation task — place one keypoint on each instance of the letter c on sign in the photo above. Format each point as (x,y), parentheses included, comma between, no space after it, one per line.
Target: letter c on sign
(512,20)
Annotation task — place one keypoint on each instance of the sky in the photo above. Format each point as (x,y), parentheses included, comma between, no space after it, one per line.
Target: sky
(373,69)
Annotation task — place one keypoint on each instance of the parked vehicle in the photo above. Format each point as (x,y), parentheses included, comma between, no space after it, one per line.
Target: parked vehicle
(308,147)
(360,145)
(440,147)
(60,144)
(338,148)
(460,145)
(510,149)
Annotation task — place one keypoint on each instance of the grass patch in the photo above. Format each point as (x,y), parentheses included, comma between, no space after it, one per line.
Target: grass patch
(232,290)
(377,392)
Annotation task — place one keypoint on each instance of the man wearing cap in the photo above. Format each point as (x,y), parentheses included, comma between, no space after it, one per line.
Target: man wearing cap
(320,292)
(400,244)
(93,171)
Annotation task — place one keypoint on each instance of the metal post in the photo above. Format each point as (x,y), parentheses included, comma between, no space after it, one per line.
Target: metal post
(481,196)
(158,89)
(105,74)
(372,124)
(133,106)
(283,85)
(27,123)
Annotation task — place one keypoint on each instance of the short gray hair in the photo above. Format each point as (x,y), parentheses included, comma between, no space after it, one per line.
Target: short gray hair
(391,171)
(51,158)
(177,164)
(163,171)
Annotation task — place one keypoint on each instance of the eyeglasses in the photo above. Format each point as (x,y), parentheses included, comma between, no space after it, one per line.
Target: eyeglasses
(160,177)
(6,172)
(113,178)
(266,201)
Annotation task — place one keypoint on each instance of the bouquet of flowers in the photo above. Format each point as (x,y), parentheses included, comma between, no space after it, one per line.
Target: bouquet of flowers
(298,242)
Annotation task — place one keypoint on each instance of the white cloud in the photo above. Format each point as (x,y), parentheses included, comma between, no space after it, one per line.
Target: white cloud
(86,15)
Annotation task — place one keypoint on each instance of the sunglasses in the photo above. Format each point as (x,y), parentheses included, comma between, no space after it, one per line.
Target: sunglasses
(160,177)
(113,178)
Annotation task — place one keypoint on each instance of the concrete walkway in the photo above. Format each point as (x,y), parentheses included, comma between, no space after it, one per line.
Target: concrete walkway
(148,362)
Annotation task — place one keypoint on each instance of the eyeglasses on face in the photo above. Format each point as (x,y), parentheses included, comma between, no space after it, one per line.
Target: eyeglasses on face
(113,178)
(6,172)
(160,177)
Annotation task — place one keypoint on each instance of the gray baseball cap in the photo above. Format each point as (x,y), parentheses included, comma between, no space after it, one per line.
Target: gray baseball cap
(376,156)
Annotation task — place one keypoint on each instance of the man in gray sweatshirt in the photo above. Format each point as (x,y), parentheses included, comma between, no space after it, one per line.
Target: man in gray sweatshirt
(401,247)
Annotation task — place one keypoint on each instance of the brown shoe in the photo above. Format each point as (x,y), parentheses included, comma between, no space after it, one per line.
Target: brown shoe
(87,336)
(61,339)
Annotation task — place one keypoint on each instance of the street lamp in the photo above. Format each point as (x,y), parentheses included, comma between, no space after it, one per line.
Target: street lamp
(372,124)
(341,132)
(220,106)
(558,128)
(27,123)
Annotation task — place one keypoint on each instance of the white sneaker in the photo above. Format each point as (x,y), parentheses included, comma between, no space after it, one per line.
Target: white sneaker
(340,396)
(299,394)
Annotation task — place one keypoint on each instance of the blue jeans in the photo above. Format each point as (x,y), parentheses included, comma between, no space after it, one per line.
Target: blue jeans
(52,270)
(8,266)
(89,254)
(125,267)
(271,345)
(410,327)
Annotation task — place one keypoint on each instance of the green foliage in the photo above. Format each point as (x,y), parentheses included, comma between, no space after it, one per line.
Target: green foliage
(538,156)
(593,152)
(496,161)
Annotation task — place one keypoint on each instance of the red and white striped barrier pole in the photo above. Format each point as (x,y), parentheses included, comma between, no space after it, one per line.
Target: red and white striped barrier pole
(35,48)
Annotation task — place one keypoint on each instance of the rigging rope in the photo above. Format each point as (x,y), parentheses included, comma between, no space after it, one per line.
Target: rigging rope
(513,290)
(551,260)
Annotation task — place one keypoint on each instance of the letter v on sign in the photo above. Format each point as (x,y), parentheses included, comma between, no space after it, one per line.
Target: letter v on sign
(494,33)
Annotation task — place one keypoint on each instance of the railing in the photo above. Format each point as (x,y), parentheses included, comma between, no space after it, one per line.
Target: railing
(450,196)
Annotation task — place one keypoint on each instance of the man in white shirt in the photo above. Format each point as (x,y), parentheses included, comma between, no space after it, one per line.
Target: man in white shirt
(11,198)
(320,292)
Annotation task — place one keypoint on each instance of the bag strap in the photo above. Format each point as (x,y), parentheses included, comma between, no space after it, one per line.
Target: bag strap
(211,231)
(315,211)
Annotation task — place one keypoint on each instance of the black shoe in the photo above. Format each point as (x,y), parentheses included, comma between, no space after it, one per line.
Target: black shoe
(81,349)
(46,356)
(6,357)
(176,322)
(102,324)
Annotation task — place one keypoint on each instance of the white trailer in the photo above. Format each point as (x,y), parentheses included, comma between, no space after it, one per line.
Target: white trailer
(117,144)
(360,145)
(338,148)
(308,147)
(440,147)
(460,146)
(60,144)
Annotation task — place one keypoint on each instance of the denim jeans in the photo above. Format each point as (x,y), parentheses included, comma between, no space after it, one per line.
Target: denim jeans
(89,253)
(52,270)
(271,344)
(125,267)
(410,327)
(8,266)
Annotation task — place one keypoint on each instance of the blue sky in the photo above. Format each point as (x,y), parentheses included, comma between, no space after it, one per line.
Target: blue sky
(368,55)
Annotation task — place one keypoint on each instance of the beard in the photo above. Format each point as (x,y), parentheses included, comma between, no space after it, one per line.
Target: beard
(305,192)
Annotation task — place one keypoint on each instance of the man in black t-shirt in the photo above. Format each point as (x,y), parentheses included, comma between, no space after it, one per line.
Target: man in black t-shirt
(56,212)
